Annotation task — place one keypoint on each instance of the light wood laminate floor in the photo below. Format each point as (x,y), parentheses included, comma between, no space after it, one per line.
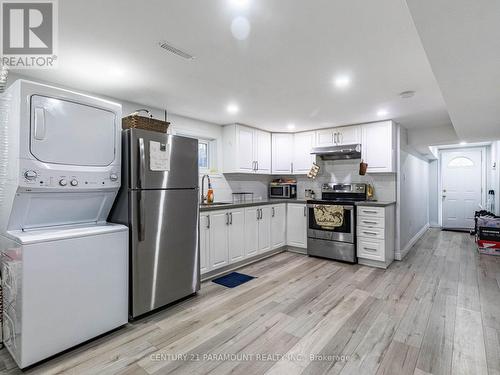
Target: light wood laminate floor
(435,312)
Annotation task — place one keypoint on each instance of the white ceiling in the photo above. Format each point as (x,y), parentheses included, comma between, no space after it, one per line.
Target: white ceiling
(281,73)
(462,41)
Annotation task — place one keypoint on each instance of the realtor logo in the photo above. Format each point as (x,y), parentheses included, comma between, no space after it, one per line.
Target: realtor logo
(29,33)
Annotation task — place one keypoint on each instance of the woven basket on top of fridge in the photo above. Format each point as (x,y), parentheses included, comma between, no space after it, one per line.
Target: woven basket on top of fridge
(135,121)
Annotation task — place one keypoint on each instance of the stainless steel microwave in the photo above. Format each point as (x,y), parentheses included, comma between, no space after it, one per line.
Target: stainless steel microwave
(282,190)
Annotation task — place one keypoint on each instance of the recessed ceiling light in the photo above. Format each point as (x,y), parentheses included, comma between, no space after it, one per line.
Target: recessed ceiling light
(232,108)
(407,94)
(116,71)
(240,28)
(239,4)
(290,126)
(382,112)
(463,143)
(342,81)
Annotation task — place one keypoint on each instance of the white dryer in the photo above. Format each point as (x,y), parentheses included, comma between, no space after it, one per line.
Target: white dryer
(64,268)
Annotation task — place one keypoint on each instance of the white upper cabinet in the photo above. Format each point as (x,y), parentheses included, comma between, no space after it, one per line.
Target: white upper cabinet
(263,152)
(379,146)
(246,144)
(302,158)
(345,135)
(348,135)
(246,150)
(324,137)
(292,153)
(282,153)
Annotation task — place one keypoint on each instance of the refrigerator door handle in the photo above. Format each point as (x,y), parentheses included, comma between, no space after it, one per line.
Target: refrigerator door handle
(141,226)
(142,163)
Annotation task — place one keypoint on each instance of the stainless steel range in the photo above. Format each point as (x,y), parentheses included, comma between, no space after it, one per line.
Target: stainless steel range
(335,241)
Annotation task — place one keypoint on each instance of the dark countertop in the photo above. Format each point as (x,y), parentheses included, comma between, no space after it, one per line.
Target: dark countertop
(264,202)
(376,203)
(256,202)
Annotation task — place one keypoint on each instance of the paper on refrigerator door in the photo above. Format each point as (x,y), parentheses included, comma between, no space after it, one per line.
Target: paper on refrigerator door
(159,156)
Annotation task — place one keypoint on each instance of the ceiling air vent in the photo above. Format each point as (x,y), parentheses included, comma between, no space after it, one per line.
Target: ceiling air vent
(175,51)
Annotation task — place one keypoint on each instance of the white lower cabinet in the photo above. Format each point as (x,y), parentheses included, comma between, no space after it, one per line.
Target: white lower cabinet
(204,243)
(297,225)
(278,226)
(218,239)
(230,236)
(375,235)
(236,234)
(251,231)
(264,229)
(257,230)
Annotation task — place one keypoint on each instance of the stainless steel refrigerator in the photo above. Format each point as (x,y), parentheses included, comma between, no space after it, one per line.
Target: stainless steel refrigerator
(158,201)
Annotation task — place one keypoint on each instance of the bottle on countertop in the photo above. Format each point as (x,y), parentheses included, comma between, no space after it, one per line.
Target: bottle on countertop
(210,194)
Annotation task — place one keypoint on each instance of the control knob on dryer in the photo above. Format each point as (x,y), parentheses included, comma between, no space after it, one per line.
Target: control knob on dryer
(74,182)
(30,175)
(63,182)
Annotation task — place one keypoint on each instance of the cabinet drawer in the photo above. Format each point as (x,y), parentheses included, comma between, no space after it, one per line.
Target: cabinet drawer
(371,222)
(371,211)
(365,232)
(371,249)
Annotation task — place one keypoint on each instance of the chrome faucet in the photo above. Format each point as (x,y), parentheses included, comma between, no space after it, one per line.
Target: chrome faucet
(203,197)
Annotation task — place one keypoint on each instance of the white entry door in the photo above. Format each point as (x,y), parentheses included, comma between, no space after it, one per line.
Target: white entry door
(462,179)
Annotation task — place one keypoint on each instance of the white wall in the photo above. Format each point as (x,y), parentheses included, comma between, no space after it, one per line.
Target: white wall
(434,193)
(413,191)
(494,173)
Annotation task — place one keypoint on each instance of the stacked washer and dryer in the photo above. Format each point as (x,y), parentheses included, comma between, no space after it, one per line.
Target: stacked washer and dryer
(64,268)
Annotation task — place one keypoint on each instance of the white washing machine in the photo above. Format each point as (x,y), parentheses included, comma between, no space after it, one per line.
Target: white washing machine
(65,269)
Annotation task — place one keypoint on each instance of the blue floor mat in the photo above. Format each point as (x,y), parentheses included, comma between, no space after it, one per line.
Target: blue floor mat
(233,279)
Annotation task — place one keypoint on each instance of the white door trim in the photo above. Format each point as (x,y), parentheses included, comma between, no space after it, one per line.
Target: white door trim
(484,172)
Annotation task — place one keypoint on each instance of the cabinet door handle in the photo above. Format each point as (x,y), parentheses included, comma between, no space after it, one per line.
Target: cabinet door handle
(257,165)
(208,221)
(369,222)
(231,218)
(370,211)
(370,233)
(370,248)
(291,167)
(273,212)
(258,213)
(227,218)
(305,211)
(335,138)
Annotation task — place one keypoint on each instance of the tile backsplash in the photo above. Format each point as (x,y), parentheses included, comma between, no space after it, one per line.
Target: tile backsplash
(347,171)
(342,171)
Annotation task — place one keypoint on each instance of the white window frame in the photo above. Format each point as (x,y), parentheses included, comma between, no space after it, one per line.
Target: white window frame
(209,156)
(212,149)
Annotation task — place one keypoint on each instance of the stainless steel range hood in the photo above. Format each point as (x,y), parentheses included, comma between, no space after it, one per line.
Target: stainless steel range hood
(338,152)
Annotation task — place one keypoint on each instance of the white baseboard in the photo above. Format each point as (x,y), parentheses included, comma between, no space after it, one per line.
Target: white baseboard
(409,245)
(434,225)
